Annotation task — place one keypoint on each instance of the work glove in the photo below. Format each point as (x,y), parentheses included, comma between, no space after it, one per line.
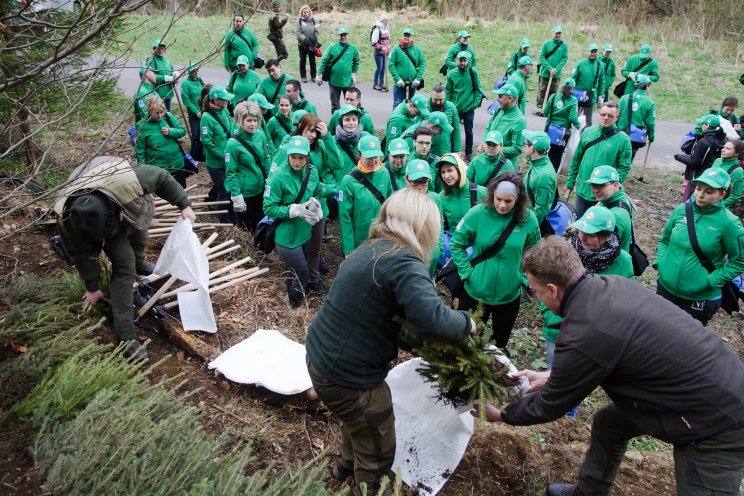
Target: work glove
(354,80)
(319,81)
(175,74)
(632,76)
(416,83)
(400,84)
(314,206)
(168,79)
(296,210)
(239,205)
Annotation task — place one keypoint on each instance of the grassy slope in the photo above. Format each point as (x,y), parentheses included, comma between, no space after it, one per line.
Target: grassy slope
(683,97)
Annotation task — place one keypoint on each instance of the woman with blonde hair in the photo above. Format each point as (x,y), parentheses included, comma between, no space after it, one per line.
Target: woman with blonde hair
(157,140)
(354,337)
(306,31)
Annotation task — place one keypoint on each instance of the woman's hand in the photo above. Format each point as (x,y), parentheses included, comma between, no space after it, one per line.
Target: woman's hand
(322,128)
(164,131)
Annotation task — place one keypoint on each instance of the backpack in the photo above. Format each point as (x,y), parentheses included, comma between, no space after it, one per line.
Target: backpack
(371,31)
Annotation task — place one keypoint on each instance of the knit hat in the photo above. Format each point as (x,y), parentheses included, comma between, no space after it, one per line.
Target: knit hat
(418,169)
(90,216)
(604,174)
(596,219)
(398,146)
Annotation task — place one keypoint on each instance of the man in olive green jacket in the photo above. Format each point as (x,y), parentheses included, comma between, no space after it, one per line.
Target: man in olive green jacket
(342,59)
(553,57)
(407,66)
(639,119)
(589,78)
(240,40)
(640,64)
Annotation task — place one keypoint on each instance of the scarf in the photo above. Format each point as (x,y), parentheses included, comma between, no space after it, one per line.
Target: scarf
(377,166)
(595,261)
(347,137)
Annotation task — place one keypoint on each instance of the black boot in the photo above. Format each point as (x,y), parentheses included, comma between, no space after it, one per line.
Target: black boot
(340,472)
(563,489)
(135,352)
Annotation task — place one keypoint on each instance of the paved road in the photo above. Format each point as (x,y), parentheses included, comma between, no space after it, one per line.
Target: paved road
(379,105)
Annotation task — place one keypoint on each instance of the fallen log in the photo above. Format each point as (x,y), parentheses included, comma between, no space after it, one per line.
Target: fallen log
(187,341)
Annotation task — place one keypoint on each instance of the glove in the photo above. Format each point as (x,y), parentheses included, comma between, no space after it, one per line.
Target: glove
(632,76)
(300,211)
(314,206)
(168,79)
(239,205)
(400,83)
(416,83)
(175,74)
(354,80)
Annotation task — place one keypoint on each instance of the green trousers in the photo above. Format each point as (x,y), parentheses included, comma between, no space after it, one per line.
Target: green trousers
(705,467)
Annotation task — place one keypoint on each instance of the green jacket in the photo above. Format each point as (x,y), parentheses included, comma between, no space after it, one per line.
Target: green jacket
(354,337)
(342,70)
(190,94)
(463,88)
(277,132)
(243,85)
(400,120)
(365,120)
(155,149)
(719,233)
(541,183)
(398,174)
(514,62)
(589,75)
(482,166)
(562,111)
(213,137)
(609,70)
(357,207)
(452,141)
(243,176)
(623,218)
(499,279)
(615,151)
(162,67)
(519,80)
(731,165)
(239,43)
(457,203)
(305,105)
(400,64)
(556,61)
(451,58)
(268,87)
(644,113)
(510,122)
(632,65)
(146,90)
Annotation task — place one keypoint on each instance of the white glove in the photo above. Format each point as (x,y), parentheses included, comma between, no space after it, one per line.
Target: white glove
(354,80)
(296,210)
(314,206)
(416,83)
(239,205)
(175,74)
(400,83)
(168,79)
(632,76)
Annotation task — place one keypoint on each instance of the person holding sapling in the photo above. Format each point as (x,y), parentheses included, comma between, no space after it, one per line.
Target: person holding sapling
(352,339)
(612,332)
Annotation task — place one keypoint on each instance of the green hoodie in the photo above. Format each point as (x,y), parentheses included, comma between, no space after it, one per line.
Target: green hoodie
(451,58)
(499,279)
(357,207)
(510,122)
(400,120)
(342,70)
(556,61)
(162,67)
(589,76)
(482,166)
(562,111)
(633,63)
(452,141)
(243,176)
(213,136)
(190,94)
(644,113)
(541,183)
(243,85)
(623,218)
(155,149)
(401,66)
(719,234)
(614,151)
(456,203)
(609,70)
(239,43)
(463,88)
(731,165)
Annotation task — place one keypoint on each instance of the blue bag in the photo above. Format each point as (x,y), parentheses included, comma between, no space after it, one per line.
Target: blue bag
(501,82)
(493,107)
(189,164)
(687,141)
(581,95)
(558,135)
(132,132)
(638,135)
(560,217)
(446,254)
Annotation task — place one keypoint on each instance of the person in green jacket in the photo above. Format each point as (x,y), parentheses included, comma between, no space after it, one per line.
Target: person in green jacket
(458,195)
(683,280)
(421,141)
(519,80)
(462,44)
(357,205)
(296,216)
(406,115)
(407,66)
(191,88)
(267,109)
(398,153)
(553,57)
(640,64)
(216,128)
(541,181)
(355,334)
(274,85)
(509,121)
(606,188)
(239,40)
(247,162)
(243,82)
(498,280)
(437,123)
(524,49)
(342,60)
(486,166)
(561,112)
(297,97)
(638,122)
(348,135)
(354,97)
(589,77)
(418,177)
(146,89)
(603,144)
(280,125)
(165,76)
(727,111)
(732,161)
(445,142)
(609,70)
(157,140)
(463,88)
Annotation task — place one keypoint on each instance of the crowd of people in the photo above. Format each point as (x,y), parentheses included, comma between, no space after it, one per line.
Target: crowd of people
(428,196)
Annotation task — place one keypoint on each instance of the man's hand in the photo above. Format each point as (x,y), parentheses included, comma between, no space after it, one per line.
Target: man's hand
(400,83)
(228,70)
(188,214)
(164,131)
(90,299)
(354,80)
(481,148)
(553,72)
(493,414)
(537,379)
(416,83)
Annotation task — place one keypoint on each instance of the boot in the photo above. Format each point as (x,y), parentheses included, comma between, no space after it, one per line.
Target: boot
(340,472)
(145,269)
(135,352)
(317,287)
(563,489)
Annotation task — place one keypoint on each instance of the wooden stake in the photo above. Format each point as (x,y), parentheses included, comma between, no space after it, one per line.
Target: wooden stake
(226,285)
(547,93)
(645,162)
(223,252)
(191,286)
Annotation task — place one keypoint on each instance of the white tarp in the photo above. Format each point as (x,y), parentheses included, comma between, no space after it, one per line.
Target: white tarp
(184,258)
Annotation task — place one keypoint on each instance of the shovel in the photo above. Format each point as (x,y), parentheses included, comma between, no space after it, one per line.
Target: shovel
(645,162)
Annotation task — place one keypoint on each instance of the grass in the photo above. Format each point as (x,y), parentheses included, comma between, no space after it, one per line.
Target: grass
(679,95)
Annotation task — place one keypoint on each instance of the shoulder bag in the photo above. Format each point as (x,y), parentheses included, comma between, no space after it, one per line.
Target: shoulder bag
(326,76)
(415,67)
(619,90)
(640,260)
(190,165)
(253,153)
(558,135)
(357,174)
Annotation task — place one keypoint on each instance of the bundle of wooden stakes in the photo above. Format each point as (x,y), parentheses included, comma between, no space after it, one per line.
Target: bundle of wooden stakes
(166,215)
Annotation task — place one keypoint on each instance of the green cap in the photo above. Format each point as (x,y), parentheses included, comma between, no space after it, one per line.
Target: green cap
(645,51)
(440,119)
(193,67)
(418,169)
(398,146)
(348,108)
(526,60)
(596,219)
(297,115)
(715,177)
(276,3)
(446,159)
(342,31)
(242,60)
(592,47)
(508,89)
(557,29)
(710,119)
(157,43)
(643,79)
(90,216)
(421,102)
(408,31)
(463,34)
(464,55)
(220,93)
(607,47)
(494,137)
(604,174)
(298,145)
(524,43)
(369,147)
(570,82)
(261,101)
(539,140)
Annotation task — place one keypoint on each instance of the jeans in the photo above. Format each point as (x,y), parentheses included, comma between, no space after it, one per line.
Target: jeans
(335,92)
(467,122)
(702,311)
(582,205)
(299,272)
(219,193)
(400,94)
(380,68)
(306,53)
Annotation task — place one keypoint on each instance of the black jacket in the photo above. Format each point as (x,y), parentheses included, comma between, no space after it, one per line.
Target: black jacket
(704,152)
(672,377)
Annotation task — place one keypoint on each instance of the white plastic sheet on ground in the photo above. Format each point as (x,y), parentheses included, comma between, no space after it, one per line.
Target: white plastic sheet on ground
(267,359)
(184,258)
(573,142)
